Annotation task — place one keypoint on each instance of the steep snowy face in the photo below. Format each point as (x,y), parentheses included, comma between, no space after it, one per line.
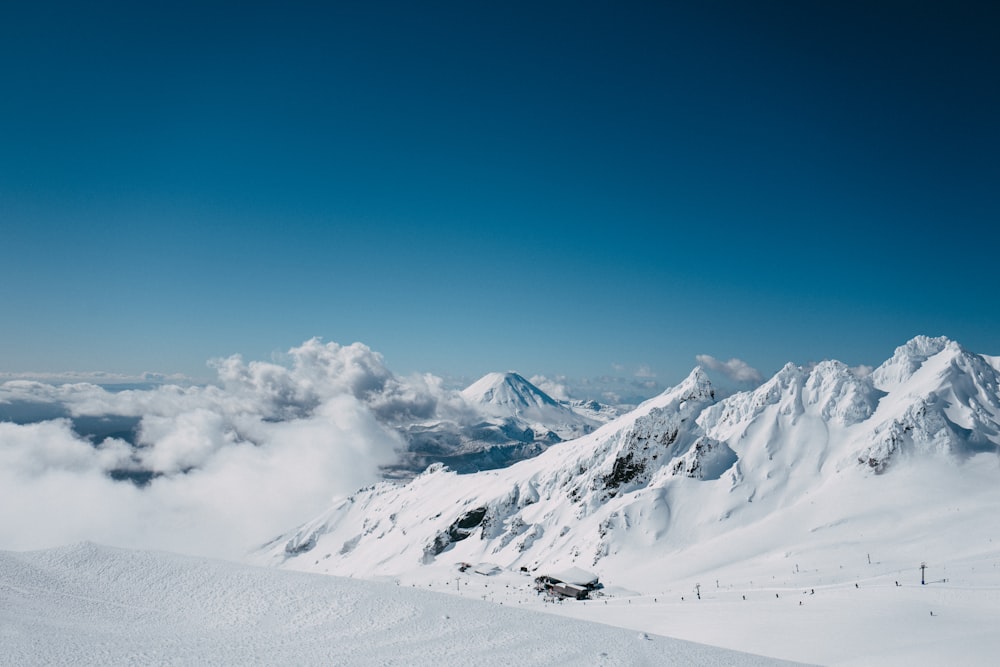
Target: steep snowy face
(840,396)
(907,360)
(931,396)
(735,414)
(661,435)
(789,434)
(830,392)
(947,402)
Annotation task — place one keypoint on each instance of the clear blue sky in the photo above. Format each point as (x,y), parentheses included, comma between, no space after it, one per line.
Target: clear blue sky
(465,187)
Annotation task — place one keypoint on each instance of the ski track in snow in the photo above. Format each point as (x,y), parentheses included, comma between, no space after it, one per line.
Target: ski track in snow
(94,605)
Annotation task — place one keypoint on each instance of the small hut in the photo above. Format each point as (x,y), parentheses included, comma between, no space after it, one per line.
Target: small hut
(572,583)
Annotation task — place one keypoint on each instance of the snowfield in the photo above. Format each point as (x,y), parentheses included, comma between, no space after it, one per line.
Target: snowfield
(94,605)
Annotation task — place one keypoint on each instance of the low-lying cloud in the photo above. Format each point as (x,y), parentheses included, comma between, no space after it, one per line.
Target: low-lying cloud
(226,466)
(555,387)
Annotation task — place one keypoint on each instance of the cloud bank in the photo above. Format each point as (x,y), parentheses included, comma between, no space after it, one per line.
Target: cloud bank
(225,467)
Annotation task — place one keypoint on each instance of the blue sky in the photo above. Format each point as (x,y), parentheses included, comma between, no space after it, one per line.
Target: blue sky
(466,187)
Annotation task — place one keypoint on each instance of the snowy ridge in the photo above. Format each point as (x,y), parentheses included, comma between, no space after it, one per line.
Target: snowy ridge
(947,403)
(680,468)
(907,360)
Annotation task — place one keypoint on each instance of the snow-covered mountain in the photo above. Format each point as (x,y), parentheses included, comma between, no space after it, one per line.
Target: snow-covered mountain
(508,419)
(508,396)
(682,470)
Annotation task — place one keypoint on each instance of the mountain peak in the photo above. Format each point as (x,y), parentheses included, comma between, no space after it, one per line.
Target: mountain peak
(509,396)
(908,358)
(508,390)
(698,383)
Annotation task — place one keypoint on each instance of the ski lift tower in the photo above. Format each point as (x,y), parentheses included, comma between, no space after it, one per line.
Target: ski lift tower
(923,566)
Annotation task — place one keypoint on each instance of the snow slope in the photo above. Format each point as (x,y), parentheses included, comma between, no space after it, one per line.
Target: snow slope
(813,470)
(93,605)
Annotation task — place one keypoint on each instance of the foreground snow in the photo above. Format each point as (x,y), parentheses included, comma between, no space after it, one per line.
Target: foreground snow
(841,592)
(89,604)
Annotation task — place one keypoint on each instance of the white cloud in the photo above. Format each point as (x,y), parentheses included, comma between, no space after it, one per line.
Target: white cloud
(862,371)
(219,494)
(235,464)
(735,369)
(554,387)
(34,449)
(185,441)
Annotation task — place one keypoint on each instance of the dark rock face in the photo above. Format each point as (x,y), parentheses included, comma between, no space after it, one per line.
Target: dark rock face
(625,469)
(460,529)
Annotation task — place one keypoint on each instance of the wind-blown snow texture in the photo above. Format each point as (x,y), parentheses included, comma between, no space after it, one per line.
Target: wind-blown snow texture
(688,486)
(91,605)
